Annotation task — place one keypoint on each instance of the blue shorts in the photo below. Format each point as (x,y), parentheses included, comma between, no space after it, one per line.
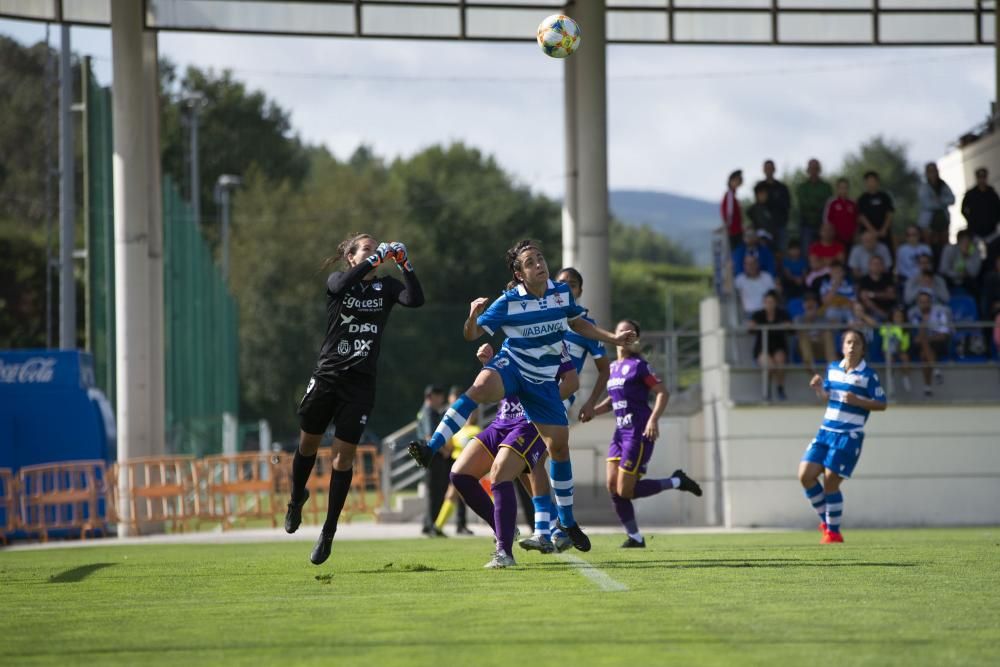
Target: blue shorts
(838,452)
(541,400)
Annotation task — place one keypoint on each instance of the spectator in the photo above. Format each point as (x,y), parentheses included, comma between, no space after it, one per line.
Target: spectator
(752,247)
(436,476)
(863,322)
(752,285)
(814,344)
(776,355)
(864,251)
(827,249)
(732,217)
(932,322)
(926,280)
(759,215)
(842,213)
(877,290)
(779,201)
(981,207)
(961,262)
(896,344)
(935,197)
(818,272)
(989,298)
(793,271)
(875,209)
(837,294)
(812,195)
(908,253)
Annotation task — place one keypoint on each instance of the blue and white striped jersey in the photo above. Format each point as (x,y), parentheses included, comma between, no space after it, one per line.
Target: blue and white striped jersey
(535,327)
(863,382)
(579,347)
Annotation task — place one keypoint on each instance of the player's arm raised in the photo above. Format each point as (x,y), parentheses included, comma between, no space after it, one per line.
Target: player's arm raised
(471,330)
(594,332)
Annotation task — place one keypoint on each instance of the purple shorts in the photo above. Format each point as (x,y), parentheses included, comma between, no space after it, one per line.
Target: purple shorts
(521,436)
(631,450)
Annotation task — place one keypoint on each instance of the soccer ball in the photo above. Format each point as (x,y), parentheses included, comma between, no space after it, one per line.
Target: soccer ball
(559,36)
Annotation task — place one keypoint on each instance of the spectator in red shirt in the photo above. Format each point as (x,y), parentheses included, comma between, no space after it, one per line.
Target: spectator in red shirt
(842,213)
(827,250)
(732,217)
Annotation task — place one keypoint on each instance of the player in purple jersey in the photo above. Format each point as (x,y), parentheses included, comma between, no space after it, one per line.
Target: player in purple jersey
(636,430)
(509,446)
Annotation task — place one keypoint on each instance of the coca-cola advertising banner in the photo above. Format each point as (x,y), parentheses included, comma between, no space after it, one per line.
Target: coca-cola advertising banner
(37,368)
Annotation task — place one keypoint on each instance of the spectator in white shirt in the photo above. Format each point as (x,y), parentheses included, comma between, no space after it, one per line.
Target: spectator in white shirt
(752,285)
(932,323)
(908,252)
(861,254)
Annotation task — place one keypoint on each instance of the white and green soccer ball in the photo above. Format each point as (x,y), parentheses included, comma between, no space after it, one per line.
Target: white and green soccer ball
(559,36)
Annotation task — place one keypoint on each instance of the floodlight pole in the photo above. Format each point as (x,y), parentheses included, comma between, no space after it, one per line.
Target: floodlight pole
(67,198)
(194,102)
(223,187)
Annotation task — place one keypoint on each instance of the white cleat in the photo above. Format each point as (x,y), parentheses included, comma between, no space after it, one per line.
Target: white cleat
(500,560)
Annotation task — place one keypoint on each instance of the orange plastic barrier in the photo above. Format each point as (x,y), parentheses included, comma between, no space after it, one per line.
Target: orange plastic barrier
(63,496)
(162,490)
(8,503)
(240,487)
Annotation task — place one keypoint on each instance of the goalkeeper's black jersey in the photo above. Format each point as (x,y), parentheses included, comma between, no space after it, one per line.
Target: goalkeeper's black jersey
(357,311)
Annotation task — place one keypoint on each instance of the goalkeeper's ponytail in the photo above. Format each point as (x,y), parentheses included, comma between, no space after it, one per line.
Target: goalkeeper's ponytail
(345,249)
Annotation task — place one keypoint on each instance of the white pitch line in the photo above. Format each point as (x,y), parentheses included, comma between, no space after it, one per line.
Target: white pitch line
(598,576)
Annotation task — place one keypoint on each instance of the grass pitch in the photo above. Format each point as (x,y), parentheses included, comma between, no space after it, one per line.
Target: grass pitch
(884,598)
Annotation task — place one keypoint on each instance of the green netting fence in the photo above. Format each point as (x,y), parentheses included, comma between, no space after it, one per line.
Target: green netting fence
(200,315)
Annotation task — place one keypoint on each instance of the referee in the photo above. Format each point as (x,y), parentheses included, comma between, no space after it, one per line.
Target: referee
(342,386)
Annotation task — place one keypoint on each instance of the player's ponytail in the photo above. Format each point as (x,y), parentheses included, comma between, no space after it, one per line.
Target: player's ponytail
(513,258)
(345,249)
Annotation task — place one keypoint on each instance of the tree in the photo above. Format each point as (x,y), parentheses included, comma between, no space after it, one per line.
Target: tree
(238,130)
(645,243)
(899,178)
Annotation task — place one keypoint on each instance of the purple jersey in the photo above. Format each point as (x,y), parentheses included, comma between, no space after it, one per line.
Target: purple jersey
(628,387)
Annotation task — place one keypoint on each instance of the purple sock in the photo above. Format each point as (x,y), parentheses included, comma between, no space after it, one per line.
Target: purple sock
(475,496)
(505,515)
(650,487)
(626,513)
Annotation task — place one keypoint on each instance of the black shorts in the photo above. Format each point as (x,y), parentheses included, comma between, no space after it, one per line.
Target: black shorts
(347,402)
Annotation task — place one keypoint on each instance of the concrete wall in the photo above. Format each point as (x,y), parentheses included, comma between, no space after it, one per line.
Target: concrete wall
(958,170)
(922,465)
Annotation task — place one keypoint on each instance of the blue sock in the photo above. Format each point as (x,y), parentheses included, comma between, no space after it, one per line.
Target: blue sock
(454,419)
(542,516)
(561,473)
(814,495)
(834,509)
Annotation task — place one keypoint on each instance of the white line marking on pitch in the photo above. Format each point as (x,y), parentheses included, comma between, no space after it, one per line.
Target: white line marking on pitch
(598,576)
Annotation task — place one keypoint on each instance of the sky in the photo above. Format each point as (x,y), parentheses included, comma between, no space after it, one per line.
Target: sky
(679,118)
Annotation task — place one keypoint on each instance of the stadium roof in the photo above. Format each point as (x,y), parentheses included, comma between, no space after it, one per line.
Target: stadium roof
(719,22)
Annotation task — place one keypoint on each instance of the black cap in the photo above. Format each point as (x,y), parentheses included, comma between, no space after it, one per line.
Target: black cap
(736,174)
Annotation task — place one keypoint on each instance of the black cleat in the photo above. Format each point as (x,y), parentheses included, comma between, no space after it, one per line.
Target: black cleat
(687,484)
(420,453)
(293,515)
(576,535)
(320,552)
(633,544)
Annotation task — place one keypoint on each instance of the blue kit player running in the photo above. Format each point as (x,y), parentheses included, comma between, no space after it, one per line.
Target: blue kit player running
(535,314)
(853,391)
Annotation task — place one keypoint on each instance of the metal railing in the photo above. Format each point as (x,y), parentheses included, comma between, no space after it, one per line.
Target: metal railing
(875,354)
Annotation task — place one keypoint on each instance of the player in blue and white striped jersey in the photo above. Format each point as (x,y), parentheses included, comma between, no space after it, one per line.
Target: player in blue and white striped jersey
(579,349)
(853,391)
(535,314)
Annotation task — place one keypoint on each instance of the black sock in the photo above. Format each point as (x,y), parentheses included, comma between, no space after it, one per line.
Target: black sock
(340,486)
(302,465)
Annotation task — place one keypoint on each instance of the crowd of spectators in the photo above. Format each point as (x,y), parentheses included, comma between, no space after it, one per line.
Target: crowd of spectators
(839,264)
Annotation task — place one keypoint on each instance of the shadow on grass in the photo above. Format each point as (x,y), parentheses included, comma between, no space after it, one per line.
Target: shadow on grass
(78,574)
